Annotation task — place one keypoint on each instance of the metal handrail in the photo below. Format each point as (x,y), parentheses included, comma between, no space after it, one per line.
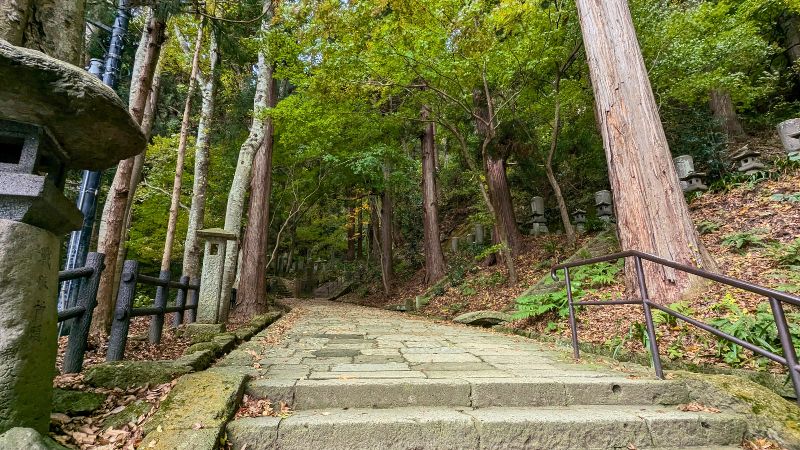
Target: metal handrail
(789,358)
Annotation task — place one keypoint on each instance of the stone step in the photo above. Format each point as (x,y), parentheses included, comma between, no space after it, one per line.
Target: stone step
(468,392)
(569,427)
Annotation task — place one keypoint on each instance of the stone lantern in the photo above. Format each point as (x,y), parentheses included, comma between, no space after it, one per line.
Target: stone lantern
(748,160)
(479,234)
(604,205)
(789,132)
(691,181)
(539,220)
(579,217)
(53,116)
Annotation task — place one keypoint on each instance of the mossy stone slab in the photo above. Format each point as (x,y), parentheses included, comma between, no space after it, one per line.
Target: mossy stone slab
(129,374)
(74,403)
(131,413)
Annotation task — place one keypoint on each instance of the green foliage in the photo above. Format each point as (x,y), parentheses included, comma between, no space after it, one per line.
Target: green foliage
(584,280)
(706,227)
(746,239)
(790,198)
(490,250)
(787,255)
(662,318)
(758,329)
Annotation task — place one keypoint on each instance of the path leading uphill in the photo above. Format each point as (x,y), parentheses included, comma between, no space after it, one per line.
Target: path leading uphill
(361,378)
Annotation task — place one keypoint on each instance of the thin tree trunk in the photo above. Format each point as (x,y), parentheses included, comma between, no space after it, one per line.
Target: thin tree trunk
(172,222)
(791,30)
(500,194)
(252,292)
(241,181)
(725,114)
(374,229)
(114,216)
(351,234)
(387,272)
(434,258)
(360,231)
(548,167)
(191,252)
(652,214)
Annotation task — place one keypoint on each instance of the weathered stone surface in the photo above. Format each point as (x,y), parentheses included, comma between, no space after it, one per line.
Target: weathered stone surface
(76,402)
(207,398)
(263,320)
(35,200)
(28,439)
(225,341)
(245,333)
(210,308)
(275,390)
(131,413)
(516,392)
(623,391)
(201,347)
(28,283)
(680,429)
(253,433)
(203,332)
(483,318)
(86,117)
(236,358)
(202,439)
(197,360)
(376,393)
(127,374)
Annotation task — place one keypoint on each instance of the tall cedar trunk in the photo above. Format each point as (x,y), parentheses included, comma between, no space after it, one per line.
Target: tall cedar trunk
(114,215)
(548,168)
(500,194)
(191,252)
(725,114)
(791,30)
(55,28)
(434,258)
(241,180)
(136,174)
(375,229)
(252,292)
(172,221)
(387,271)
(652,214)
(351,234)
(360,231)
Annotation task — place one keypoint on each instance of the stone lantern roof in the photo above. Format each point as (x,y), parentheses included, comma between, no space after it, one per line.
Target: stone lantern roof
(744,152)
(86,118)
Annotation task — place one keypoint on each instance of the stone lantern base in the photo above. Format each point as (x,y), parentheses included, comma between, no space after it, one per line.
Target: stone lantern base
(28,345)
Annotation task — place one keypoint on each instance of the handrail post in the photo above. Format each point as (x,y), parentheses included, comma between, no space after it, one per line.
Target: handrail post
(786,342)
(122,317)
(572,322)
(79,331)
(648,317)
(157,320)
(180,301)
(194,296)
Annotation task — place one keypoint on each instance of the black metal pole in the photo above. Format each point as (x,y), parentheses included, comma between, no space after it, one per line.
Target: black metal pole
(157,320)
(119,328)
(180,301)
(786,342)
(648,317)
(79,334)
(572,322)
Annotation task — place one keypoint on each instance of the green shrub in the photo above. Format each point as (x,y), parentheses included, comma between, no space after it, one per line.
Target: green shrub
(706,227)
(744,240)
(787,255)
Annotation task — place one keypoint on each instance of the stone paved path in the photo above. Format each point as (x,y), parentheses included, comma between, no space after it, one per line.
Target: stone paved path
(349,342)
(365,378)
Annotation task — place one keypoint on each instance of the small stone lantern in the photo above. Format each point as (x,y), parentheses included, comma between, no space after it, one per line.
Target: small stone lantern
(53,116)
(209,304)
(604,206)
(748,161)
(691,181)
(539,220)
(579,217)
(789,131)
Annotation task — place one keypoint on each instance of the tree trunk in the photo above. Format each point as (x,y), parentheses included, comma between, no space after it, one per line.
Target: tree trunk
(652,214)
(548,168)
(55,28)
(360,231)
(387,272)
(241,181)
(114,215)
(374,229)
(252,292)
(725,114)
(791,30)
(172,221)
(434,258)
(351,233)
(500,194)
(191,252)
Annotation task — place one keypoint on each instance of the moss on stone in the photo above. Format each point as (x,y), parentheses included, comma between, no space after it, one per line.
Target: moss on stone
(131,413)
(771,415)
(76,402)
(203,439)
(201,346)
(225,341)
(245,333)
(129,374)
(197,360)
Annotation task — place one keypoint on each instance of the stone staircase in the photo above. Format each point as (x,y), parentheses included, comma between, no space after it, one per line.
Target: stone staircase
(397,413)
(361,382)
(278,287)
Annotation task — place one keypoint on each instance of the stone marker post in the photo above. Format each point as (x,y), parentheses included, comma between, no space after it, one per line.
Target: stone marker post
(479,234)
(539,220)
(789,131)
(44,129)
(604,205)
(209,307)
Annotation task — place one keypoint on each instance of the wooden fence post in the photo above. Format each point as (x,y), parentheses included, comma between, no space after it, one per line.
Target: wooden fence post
(119,328)
(79,331)
(180,301)
(157,320)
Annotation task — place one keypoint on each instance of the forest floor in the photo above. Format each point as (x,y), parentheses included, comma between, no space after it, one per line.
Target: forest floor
(751,227)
